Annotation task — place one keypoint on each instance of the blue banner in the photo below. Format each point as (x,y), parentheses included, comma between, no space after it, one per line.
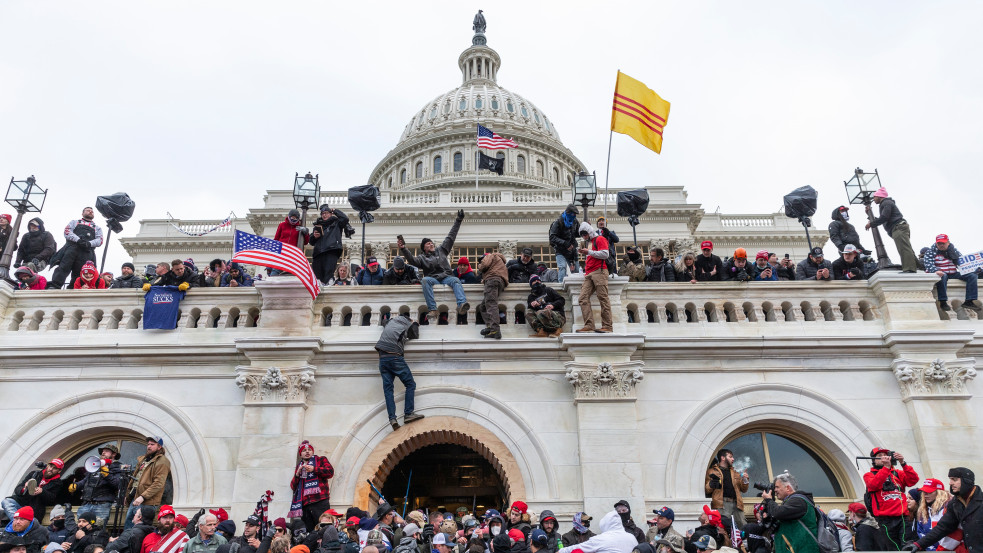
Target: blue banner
(161,306)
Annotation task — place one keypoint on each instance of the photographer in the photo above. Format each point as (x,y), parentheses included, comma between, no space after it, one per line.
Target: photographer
(762,268)
(725,487)
(885,496)
(798,526)
(100,488)
(82,236)
(848,266)
(326,239)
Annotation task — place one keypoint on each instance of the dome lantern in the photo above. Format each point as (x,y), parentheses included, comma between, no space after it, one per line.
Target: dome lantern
(479,62)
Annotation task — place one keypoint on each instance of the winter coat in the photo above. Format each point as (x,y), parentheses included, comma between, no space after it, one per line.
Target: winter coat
(889,216)
(662,271)
(69,527)
(93,282)
(948,543)
(150,479)
(195,545)
(131,540)
(524,525)
(891,503)
(39,244)
(335,281)
(100,486)
(396,331)
(549,296)
(705,265)
(171,279)
(846,537)
(493,265)
(758,272)
(365,277)
(714,532)
(841,269)
(635,271)
(289,233)
(784,273)
(960,513)
(132,281)
(573,537)
(562,237)
(685,275)
(50,492)
(717,495)
(951,253)
(806,269)
(35,536)
(612,539)
(842,233)
(5,235)
(243,279)
(739,274)
(407,545)
(331,232)
(553,543)
(671,535)
(409,276)
(866,535)
(83,234)
(35,282)
(791,537)
(435,264)
(519,271)
(95,536)
(467,277)
(323,471)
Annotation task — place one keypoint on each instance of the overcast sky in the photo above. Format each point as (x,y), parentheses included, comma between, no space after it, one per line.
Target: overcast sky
(197,108)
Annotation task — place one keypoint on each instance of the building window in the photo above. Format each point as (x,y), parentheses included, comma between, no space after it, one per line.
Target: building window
(419,169)
(539,168)
(520,164)
(390,182)
(433,113)
(447,106)
(463,105)
(509,106)
(494,102)
(547,123)
(477,103)
(536,115)
(458,161)
(765,455)
(402,177)
(437,165)
(524,111)
(556,175)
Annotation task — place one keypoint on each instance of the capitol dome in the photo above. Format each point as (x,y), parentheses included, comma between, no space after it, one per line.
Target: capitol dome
(438,149)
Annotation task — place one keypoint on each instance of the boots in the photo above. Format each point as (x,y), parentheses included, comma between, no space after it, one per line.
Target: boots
(539,334)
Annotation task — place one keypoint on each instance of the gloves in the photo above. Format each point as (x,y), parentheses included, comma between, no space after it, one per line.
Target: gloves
(270,532)
(912,546)
(460,214)
(715,484)
(183,286)
(304,230)
(428,532)
(146,288)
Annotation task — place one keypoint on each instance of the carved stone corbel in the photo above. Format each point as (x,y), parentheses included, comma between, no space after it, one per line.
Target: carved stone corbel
(275,385)
(936,379)
(604,381)
(507,248)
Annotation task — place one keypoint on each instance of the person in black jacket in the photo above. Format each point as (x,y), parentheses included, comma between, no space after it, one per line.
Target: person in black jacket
(522,268)
(841,232)
(127,278)
(36,247)
(893,221)
(82,237)
(99,489)
(400,274)
(563,239)
(38,490)
(545,310)
(848,266)
(179,275)
(624,510)
(660,270)
(866,530)
(965,511)
(326,239)
(131,540)
(87,533)
(708,266)
(549,525)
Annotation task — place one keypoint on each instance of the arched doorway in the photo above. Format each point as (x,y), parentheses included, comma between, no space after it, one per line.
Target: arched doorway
(445,477)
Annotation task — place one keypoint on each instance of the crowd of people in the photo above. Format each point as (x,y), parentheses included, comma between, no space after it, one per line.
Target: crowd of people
(928,517)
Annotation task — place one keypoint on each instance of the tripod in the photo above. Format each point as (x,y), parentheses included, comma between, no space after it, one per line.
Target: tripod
(122,504)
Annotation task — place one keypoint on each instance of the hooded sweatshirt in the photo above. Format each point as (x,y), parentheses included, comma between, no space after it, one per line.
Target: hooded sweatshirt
(612,539)
(842,233)
(288,232)
(89,277)
(35,282)
(597,252)
(36,244)
(554,542)
(628,523)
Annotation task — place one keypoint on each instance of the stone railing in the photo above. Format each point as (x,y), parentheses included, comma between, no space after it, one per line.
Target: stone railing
(643,308)
(714,222)
(162,228)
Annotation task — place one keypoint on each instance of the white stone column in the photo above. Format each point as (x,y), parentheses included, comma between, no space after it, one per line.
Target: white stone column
(572,285)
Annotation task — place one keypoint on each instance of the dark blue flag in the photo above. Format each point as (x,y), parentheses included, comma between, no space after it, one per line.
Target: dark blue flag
(161,306)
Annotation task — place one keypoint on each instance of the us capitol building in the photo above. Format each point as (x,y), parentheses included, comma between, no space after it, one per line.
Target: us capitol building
(797,376)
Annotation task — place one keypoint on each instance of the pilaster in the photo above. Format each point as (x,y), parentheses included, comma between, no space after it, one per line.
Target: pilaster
(288,309)
(572,285)
(380,250)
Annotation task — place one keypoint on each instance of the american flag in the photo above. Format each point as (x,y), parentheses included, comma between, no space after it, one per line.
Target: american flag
(173,542)
(490,140)
(265,252)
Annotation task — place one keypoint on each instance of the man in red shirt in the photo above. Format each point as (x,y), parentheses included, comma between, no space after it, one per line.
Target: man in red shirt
(595,279)
(167,538)
(886,496)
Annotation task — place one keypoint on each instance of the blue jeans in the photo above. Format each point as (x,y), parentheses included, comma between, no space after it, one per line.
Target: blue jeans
(452,281)
(10,506)
(392,367)
(128,523)
(968,278)
(100,510)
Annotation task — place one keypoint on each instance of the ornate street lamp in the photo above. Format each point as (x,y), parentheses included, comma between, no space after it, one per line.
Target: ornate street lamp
(307,193)
(24,196)
(860,191)
(585,190)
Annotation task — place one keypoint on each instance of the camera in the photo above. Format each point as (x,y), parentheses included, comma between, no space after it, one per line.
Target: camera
(40,464)
(770,488)
(349,230)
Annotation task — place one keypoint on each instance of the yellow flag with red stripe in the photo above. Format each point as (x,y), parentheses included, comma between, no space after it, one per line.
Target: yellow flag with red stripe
(639,112)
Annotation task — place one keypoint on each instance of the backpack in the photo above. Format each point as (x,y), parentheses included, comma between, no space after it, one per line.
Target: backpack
(827,534)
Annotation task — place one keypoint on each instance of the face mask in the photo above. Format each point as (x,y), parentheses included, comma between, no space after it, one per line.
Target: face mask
(845,215)
(495,530)
(538,288)
(58,524)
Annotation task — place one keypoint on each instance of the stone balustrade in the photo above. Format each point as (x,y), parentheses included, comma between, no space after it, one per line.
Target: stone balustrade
(643,308)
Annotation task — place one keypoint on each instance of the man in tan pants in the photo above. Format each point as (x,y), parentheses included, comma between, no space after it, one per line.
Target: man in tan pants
(595,279)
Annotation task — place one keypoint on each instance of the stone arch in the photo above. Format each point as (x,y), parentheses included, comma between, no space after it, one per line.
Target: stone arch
(525,465)
(434,430)
(840,432)
(57,427)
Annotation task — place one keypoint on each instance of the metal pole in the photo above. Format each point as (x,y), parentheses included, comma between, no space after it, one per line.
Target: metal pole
(8,249)
(883,261)
(362,260)
(105,250)
(303,223)
(634,234)
(406,498)
(607,175)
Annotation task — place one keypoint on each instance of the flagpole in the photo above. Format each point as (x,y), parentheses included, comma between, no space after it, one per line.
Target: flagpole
(607,174)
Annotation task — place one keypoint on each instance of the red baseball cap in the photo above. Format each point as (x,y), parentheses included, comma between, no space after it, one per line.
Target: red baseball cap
(878,450)
(858,508)
(517,535)
(352,521)
(942,238)
(706,244)
(181,520)
(520,506)
(164,511)
(931,485)
(331,512)
(714,516)
(57,462)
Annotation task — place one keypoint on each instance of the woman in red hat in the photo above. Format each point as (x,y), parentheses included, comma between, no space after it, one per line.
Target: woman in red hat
(310,486)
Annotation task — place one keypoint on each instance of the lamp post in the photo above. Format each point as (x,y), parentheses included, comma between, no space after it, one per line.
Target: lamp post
(307,193)
(24,196)
(585,190)
(860,191)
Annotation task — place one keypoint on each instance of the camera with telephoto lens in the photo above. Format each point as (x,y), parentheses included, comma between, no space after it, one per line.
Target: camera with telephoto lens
(770,488)
(40,464)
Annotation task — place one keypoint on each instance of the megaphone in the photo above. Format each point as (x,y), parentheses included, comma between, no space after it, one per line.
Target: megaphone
(93,463)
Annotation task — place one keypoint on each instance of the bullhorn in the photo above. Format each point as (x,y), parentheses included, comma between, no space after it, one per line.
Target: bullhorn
(93,463)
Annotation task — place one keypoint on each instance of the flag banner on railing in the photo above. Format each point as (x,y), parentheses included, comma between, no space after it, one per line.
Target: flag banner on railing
(970,262)
(225,222)
(161,306)
(265,252)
